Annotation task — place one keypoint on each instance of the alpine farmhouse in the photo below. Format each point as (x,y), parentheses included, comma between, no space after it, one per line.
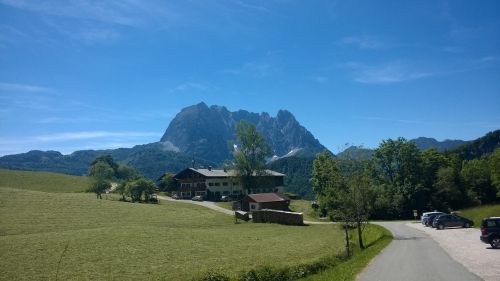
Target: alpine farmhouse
(212,184)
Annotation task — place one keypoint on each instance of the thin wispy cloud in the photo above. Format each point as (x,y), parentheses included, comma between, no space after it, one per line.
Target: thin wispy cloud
(189,87)
(14,87)
(254,7)
(67,136)
(319,79)
(376,118)
(128,13)
(386,73)
(257,69)
(362,42)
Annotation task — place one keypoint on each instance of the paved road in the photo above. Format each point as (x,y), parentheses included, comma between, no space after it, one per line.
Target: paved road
(413,256)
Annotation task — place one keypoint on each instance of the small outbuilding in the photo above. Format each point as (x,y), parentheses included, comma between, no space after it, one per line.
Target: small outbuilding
(259,201)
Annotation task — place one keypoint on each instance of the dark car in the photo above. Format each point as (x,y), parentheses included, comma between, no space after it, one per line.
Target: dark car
(490,231)
(451,220)
(427,218)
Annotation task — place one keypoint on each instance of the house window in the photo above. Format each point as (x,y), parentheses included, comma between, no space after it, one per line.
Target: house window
(236,192)
(224,184)
(252,206)
(225,192)
(217,184)
(236,183)
(210,184)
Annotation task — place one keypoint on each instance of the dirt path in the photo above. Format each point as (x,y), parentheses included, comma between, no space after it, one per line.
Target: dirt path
(464,246)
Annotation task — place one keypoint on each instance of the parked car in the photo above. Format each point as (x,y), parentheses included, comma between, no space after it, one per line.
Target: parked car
(490,231)
(225,198)
(431,218)
(197,198)
(176,197)
(451,220)
(428,217)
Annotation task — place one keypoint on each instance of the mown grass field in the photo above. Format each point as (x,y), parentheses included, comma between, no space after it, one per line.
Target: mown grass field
(42,181)
(477,214)
(74,236)
(64,234)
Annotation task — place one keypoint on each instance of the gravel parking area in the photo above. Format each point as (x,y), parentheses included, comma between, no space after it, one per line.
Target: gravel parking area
(464,246)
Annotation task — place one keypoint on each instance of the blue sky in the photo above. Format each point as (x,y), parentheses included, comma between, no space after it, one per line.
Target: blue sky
(106,74)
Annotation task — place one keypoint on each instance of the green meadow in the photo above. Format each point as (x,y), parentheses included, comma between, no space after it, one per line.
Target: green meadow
(42,181)
(50,230)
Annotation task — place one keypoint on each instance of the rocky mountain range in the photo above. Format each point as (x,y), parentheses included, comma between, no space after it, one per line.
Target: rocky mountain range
(207,132)
(203,134)
(198,133)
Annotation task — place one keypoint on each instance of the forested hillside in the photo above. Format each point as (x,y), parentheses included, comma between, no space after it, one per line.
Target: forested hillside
(298,172)
(399,178)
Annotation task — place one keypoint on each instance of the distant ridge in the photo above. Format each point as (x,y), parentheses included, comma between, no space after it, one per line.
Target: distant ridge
(424,143)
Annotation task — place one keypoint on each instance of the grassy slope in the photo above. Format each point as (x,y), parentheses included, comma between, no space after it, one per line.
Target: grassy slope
(111,240)
(304,206)
(376,239)
(42,181)
(478,213)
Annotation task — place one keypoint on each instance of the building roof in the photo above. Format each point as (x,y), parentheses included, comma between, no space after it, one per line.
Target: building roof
(216,173)
(267,197)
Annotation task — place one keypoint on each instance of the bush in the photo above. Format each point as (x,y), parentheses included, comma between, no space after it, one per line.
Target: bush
(266,273)
(213,275)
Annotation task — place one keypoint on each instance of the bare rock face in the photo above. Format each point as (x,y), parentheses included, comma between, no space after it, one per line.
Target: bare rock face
(206,132)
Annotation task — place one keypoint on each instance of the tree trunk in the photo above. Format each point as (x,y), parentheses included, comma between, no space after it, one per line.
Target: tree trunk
(347,246)
(360,235)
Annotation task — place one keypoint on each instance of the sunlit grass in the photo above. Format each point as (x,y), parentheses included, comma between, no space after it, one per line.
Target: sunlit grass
(112,240)
(477,214)
(43,181)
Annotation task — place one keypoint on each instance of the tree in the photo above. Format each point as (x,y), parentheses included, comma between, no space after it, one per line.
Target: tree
(250,154)
(101,171)
(122,190)
(327,182)
(105,159)
(99,186)
(343,189)
(101,174)
(432,161)
(495,170)
(167,182)
(137,188)
(448,193)
(476,175)
(399,168)
(126,173)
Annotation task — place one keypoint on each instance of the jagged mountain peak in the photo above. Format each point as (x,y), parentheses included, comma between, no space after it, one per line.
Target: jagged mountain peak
(205,131)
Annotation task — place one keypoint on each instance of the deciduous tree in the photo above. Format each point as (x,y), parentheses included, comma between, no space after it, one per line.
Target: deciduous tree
(250,154)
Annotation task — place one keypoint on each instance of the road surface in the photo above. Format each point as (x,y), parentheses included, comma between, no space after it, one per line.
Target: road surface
(413,256)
